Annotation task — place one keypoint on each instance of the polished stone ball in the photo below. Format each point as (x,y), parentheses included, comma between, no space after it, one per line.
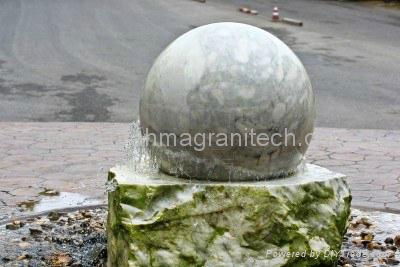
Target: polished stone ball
(228,101)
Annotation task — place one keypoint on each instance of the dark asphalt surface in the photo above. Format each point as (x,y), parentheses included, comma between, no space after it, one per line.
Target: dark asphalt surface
(86,60)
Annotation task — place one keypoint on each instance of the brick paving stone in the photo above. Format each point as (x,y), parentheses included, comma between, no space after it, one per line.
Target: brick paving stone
(377,155)
(359,202)
(355,182)
(387,199)
(395,206)
(75,157)
(370,205)
(393,188)
(348,156)
(356,193)
(367,187)
(375,193)
(389,180)
(334,162)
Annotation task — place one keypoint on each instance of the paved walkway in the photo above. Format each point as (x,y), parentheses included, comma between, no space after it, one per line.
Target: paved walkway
(74,157)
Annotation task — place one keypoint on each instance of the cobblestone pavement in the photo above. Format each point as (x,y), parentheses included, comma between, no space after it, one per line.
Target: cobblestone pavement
(75,157)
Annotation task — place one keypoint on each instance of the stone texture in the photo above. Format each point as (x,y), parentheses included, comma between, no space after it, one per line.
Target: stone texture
(160,220)
(227,78)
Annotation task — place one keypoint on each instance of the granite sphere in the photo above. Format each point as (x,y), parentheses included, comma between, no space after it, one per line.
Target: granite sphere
(216,86)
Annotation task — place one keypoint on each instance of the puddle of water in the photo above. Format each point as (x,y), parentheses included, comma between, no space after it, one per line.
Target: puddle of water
(387,223)
(64,200)
(384,225)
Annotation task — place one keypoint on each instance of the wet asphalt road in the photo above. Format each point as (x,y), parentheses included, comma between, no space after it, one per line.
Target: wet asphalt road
(86,60)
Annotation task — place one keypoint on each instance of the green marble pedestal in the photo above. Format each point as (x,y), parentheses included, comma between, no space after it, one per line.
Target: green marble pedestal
(160,220)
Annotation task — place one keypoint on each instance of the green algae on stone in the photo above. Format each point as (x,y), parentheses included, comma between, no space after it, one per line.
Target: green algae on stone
(165,221)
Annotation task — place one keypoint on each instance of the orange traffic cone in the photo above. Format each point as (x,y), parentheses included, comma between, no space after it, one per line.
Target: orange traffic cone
(244,9)
(275,14)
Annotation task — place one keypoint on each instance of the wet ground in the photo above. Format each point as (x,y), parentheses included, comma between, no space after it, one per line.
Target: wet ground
(56,200)
(50,199)
(372,239)
(77,238)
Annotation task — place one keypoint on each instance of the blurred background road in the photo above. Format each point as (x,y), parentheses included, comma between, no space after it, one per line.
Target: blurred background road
(86,60)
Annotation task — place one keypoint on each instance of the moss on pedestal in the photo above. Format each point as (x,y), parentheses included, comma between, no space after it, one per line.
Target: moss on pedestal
(165,221)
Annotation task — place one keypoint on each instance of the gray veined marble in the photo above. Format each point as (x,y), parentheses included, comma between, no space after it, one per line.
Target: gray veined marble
(228,78)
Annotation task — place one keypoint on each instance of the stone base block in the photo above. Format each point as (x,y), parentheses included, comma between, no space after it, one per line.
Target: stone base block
(161,220)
